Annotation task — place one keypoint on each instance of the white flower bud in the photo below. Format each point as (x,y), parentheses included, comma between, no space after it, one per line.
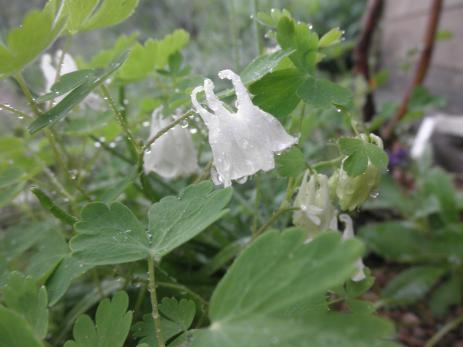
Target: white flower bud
(316,212)
(173,154)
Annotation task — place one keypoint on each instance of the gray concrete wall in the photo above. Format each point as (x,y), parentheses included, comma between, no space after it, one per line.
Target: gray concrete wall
(401,31)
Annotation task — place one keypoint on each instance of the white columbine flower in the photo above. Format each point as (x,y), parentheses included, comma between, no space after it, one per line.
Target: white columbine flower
(173,154)
(316,212)
(47,65)
(348,233)
(242,142)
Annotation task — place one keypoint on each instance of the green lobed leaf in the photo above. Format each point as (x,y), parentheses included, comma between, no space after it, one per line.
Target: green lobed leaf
(274,295)
(76,96)
(322,93)
(291,162)
(412,284)
(104,57)
(360,154)
(298,36)
(17,239)
(22,295)
(112,325)
(111,234)
(47,254)
(25,43)
(85,15)
(331,37)
(276,92)
(15,330)
(154,54)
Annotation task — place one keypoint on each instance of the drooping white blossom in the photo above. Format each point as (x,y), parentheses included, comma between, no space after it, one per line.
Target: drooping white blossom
(440,123)
(49,70)
(243,142)
(348,233)
(316,212)
(173,154)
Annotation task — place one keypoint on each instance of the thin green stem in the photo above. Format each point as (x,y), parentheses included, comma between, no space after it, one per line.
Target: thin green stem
(140,298)
(205,174)
(154,302)
(13,110)
(283,208)
(27,93)
(326,163)
(256,206)
(112,151)
(444,330)
(167,128)
(272,219)
(122,120)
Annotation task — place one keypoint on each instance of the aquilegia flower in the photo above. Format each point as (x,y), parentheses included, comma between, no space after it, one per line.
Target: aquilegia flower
(173,154)
(242,142)
(348,233)
(316,212)
(47,65)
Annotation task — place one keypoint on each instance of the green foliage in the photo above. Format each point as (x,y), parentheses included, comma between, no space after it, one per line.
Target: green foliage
(154,54)
(15,330)
(412,284)
(291,163)
(85,15)
(276,91)
(298,36)
(360,154)
(112,234)
(177,317)
(247,307)
(331,37)
(281,286)
(111,327)
(24,44)
(83,87)
(22,295)
(322,93)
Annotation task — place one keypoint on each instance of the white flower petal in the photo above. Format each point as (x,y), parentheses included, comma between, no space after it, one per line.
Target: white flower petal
(316,212)
(173,154)
(348,233)
(243,142)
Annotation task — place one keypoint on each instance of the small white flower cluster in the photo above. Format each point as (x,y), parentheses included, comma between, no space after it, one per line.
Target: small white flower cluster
(242,142)
(316,213)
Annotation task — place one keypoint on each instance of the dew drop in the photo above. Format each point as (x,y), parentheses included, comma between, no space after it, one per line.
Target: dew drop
(146,124)
(184,124)
(97,144)
(193,130)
